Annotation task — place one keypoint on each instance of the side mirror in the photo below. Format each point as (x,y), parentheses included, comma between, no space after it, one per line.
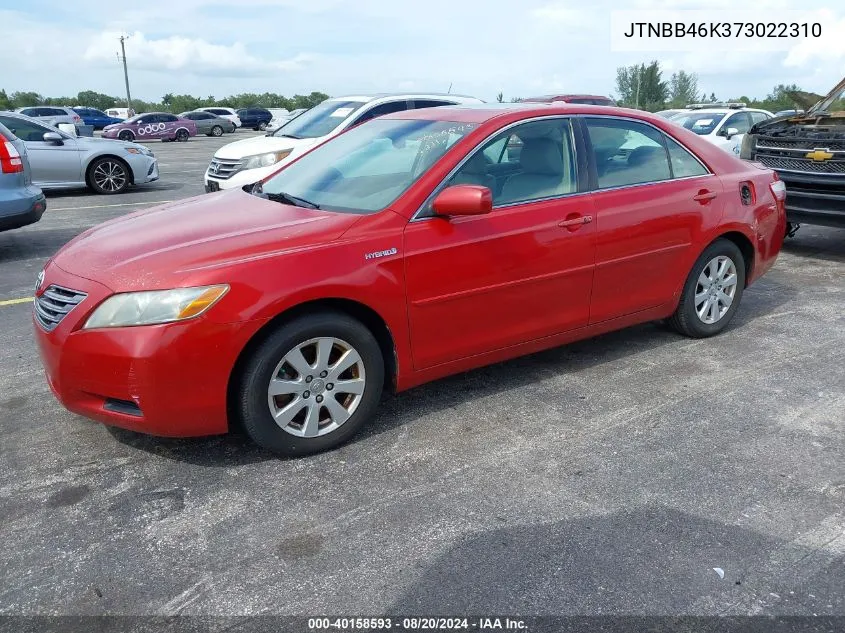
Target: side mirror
(463,200)
(731,132)
(53,137)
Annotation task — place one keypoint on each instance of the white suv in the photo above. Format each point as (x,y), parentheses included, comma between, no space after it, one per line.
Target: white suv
(250,160)
(723,124)
(225,113)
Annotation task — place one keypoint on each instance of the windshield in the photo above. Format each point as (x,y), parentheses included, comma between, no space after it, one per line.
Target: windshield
(698,122)
(367,168)
(320,120)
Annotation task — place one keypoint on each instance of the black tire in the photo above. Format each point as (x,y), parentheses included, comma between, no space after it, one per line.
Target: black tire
(250,398)
(182,136)
(108,175)
(686,319)
(262,126)
(126,135)
(216,131)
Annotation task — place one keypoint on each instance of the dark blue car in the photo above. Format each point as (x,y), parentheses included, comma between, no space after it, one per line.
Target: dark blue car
(96,118)
(256,118)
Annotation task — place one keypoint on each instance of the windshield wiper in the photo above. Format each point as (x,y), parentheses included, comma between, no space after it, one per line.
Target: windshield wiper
(289,136)
(289,199)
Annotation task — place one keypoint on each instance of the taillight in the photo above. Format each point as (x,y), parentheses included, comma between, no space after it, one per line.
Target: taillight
(10,159)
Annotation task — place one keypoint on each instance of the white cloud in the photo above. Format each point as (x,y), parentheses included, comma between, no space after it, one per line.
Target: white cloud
(187,54)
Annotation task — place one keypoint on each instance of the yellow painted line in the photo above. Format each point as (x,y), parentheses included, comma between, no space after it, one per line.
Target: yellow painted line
(11,302)
(107,206)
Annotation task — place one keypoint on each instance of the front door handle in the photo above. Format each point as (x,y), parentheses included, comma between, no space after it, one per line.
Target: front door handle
(581,219)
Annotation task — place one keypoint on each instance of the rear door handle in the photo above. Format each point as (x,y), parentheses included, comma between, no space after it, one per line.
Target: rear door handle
(584,219)
(704,196)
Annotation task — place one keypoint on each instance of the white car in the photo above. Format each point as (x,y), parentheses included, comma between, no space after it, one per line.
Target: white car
(226,113)
(247,161)
(723,124)
(279,120)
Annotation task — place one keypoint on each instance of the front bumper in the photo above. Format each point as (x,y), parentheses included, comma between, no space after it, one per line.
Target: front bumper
(144,168)
(167,380)
(20,207)
(814,199)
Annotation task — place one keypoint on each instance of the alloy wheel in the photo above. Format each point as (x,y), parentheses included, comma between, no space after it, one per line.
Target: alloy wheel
(715,289)
(316,387)
(109,176)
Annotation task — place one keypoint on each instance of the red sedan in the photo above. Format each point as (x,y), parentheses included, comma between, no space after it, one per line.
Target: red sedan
(414,246)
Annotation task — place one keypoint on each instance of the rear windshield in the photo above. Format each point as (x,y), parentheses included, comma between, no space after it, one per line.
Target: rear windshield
(699,122)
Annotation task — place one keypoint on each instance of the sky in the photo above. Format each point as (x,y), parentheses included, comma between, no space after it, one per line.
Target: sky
(479,47)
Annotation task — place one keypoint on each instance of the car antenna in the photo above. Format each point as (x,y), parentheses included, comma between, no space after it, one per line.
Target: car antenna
(448,92)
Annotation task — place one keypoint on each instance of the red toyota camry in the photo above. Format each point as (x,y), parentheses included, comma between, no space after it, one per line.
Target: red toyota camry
(411,247)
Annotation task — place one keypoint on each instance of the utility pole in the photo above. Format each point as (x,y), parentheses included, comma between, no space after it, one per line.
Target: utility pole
(125,72)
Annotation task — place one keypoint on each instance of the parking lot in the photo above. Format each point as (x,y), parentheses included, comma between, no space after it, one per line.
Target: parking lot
(619,475)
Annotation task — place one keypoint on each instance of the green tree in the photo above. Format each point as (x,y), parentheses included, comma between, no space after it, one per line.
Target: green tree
(683,89)
(500,97)
(97,100)
(642,86)
(26,99)
(5,103)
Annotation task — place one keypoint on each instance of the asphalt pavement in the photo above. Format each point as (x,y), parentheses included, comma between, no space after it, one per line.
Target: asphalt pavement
(636,473)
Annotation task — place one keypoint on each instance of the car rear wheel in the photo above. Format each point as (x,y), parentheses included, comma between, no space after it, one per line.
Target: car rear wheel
(182,135)
(126,135)
(310,385)
(712,292)
(108,175)
(217,131)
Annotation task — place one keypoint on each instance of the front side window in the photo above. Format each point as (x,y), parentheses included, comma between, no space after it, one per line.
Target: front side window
(25,130)
(531,161)
(367,168)
(758,117)
(320,120)
(627,152)
(740,121)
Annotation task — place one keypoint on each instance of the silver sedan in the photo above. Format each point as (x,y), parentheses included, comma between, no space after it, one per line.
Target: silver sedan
(208,123)
(62,161)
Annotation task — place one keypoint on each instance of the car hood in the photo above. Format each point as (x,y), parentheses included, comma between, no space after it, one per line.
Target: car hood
(263,144)
(167,245)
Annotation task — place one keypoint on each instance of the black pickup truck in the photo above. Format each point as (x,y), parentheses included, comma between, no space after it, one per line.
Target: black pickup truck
(808,153)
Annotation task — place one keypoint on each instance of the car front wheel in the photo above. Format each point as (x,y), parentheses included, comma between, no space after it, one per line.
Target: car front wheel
(712,292)
(262,126)
(182,136)
(108,175)
(217,131)
(126,135)
(310,385)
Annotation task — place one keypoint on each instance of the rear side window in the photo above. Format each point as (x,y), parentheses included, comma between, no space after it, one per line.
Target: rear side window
(627,153)
(684,164)
(431,103)
(167,118)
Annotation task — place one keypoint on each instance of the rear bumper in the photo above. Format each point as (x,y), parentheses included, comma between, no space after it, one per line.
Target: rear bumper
(812,199)
(21,207)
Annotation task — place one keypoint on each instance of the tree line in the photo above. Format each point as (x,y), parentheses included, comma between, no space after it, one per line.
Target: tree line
(169,102)
(644,86)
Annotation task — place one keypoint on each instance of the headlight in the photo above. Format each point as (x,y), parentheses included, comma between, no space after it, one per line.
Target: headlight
(749,144)
(139,150)
(265,160)
(155,306)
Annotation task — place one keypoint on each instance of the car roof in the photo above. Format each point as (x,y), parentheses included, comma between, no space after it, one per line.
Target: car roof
(366,98)
(483,112)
